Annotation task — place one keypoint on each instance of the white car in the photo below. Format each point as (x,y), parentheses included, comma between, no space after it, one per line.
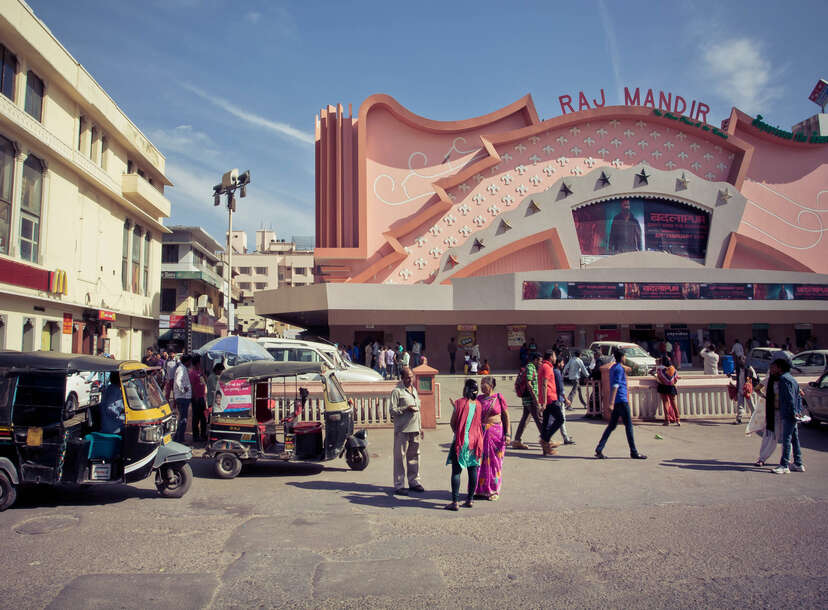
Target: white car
(79,388)
(298,350)
(635,355)
(811,362)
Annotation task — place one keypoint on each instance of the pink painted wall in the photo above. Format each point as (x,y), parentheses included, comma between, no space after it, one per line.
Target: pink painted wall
(532,258)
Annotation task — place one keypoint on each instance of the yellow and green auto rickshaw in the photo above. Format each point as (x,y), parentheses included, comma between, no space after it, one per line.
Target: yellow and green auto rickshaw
(258,412)
(48,440)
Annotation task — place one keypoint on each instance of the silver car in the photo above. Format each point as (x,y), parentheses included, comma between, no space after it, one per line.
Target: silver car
(816,398)
(811,362)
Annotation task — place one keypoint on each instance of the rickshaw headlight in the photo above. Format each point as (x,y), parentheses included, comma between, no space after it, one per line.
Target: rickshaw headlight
(151,434)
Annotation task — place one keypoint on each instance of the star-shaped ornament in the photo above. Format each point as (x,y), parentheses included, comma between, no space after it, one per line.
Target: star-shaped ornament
(643,177)
(604,179)
(479,243)
(566,190)
(725,195)
(683,181)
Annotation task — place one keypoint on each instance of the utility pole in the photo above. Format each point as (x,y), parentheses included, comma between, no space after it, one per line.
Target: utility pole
(230,182)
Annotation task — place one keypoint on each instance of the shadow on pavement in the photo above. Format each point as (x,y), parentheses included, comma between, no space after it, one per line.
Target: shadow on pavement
(713,465)
(99,495)
(814,437)
(377,495)
(203,469)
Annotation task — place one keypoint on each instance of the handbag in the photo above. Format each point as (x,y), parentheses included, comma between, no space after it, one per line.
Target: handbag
(747,389)
(732,391)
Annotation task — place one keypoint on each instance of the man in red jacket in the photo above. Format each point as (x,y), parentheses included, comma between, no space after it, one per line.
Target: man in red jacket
(549,398)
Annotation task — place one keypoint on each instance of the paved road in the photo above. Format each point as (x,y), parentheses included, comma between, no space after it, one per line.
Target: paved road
(695,525)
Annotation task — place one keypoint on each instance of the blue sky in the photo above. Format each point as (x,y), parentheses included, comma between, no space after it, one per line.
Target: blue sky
(217,84)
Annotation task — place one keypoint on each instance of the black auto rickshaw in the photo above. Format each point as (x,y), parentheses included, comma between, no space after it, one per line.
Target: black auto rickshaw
(258,410)
(47,440)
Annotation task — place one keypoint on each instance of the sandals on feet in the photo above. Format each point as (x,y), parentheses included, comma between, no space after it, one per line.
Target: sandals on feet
(452,506)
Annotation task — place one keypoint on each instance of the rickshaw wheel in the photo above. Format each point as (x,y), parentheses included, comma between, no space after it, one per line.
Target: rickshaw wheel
(175,480)
(357,458)
(8,492)
(227,465)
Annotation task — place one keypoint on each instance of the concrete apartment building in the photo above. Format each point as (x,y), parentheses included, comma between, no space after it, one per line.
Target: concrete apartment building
(273,264)
(192,283)
(81,204)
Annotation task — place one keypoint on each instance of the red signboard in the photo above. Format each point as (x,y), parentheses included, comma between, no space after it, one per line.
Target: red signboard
(820,93)
(67,324)
(18,274)
(106,315)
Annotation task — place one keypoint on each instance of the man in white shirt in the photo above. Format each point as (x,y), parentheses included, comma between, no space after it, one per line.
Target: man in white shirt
(573,372)
(737,350)
(183,393)
(710,359)
(405,411)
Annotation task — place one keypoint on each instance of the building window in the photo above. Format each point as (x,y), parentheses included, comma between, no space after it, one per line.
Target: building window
(31,202)
(244,270)
(34,95)
(6,179)
(136,260)
(244,285)
(8,71)
(81,124)
(261,285)
(125,258)
(300,270)
(261,270)
(104,152)
(168,299)
(169,253)
(147,243)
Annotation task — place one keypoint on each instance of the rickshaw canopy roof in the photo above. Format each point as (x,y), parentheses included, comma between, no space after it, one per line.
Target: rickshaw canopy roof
(270,368)
(69,363)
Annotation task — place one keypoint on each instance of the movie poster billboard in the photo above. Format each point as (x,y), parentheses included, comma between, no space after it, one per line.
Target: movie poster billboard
(632,224)
(673,291)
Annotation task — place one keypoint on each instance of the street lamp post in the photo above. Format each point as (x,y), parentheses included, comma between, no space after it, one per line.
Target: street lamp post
(230,182)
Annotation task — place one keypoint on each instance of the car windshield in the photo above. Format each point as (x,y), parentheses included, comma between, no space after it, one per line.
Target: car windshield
(635,352)
(142,393)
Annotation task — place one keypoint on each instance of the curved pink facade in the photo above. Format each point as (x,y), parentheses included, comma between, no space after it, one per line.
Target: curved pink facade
(422,189)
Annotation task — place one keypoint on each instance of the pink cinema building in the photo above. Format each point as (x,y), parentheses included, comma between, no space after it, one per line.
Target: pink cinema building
(631,222)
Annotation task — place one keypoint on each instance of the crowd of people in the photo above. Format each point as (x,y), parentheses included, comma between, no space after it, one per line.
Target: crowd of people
(481,430)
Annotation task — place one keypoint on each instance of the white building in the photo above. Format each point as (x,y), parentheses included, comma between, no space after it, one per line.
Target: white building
(81,204)
(274,264)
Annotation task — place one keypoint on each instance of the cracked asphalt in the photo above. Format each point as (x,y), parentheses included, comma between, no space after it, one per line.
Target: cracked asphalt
(696,525)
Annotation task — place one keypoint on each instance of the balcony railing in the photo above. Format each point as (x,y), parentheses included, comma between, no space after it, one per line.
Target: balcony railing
(140,192)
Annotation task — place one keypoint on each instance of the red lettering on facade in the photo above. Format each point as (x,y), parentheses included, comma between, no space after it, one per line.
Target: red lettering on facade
(649,100)
(566,102)
(630,100)
(603,101)
(665,101)
(676,108)
(701,112)
(583,104)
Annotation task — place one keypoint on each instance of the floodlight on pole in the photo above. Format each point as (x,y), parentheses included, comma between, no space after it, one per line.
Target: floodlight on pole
(230,182)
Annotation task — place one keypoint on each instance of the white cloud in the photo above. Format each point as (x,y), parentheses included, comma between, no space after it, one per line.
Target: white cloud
(253,16)
(612,48)
(282,129)
(184,140)
(741,73)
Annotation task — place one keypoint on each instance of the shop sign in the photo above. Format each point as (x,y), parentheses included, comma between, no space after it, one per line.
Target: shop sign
(819,95)
(666,103)
(467,327)
(787,135)
(67,324)
(108,316)
(515,336)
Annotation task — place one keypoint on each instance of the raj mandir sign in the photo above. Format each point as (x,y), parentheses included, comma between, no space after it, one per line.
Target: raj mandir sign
(667,102)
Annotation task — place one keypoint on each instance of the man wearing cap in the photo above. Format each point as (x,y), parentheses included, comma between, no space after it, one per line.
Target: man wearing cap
(783,393)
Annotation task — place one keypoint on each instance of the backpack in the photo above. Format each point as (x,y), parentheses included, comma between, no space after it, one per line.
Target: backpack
(521,383)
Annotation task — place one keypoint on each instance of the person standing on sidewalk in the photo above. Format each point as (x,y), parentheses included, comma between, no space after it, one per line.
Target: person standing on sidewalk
(183,393)
(467,446)
(549,398)
(710,359)
(199,400)
(573,372)
(531,401)
(620,409)
(405,412)
(452,352)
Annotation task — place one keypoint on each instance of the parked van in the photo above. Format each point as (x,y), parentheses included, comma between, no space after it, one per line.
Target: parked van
(299,350)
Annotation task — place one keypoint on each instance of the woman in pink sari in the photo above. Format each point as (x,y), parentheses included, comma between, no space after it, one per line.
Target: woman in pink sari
(495,417)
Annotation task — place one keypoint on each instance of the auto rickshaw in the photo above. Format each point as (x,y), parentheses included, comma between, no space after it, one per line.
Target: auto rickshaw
(258,410)
(47,440)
